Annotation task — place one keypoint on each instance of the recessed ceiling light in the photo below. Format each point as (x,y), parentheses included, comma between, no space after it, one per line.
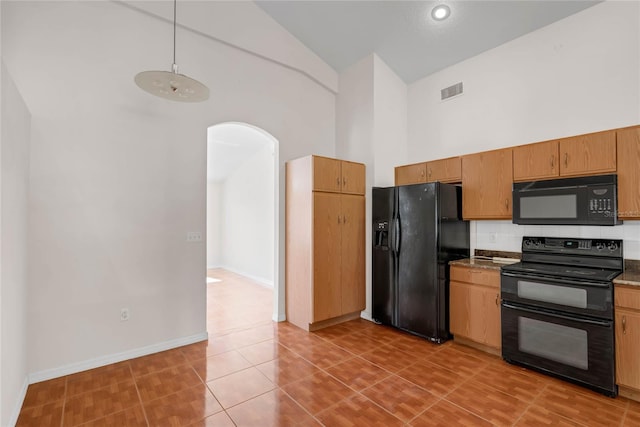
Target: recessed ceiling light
(440,12)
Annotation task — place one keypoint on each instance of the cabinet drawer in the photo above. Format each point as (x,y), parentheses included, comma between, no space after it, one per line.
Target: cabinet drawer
(478,276)
(627,297)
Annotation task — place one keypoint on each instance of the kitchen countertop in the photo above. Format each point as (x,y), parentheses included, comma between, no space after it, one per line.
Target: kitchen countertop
(631,275)
(477,263)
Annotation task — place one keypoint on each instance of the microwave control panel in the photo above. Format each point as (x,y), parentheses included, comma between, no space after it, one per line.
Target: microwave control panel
(601,203)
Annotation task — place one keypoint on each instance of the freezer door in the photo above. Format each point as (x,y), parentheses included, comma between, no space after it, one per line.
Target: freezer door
(417,260)
(383,261)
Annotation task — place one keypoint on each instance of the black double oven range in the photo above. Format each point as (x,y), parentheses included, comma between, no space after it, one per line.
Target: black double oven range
(557,309)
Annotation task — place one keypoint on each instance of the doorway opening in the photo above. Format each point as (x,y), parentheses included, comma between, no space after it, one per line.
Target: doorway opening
(242,213)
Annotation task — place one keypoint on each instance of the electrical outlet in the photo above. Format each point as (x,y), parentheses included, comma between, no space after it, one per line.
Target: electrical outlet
(493,237)
(194,236)
(124,314)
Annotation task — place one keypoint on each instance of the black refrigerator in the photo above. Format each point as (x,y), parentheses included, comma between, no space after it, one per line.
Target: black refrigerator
(417,230)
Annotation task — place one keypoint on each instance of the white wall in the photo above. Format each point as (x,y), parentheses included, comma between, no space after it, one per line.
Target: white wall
(214,221)
(118,177)
(248,217)
(575,76)
(372,129)
(14,191)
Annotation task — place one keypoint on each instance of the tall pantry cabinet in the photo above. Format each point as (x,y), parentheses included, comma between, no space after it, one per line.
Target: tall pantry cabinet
(325,241)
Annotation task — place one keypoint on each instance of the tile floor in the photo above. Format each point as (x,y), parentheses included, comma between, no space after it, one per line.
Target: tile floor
(253,372)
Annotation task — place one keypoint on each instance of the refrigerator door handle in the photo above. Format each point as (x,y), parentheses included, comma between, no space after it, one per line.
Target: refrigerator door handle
(396,234)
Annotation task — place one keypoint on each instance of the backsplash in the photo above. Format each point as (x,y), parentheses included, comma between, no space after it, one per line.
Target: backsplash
(506,236)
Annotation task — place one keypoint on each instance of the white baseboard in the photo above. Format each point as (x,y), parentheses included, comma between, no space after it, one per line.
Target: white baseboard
(260,280)
(215,266)
(74,368)
(18,406)
(281,317)
(366,316)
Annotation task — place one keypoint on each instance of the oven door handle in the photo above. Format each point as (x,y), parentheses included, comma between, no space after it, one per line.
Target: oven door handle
(576,282)
(560,316)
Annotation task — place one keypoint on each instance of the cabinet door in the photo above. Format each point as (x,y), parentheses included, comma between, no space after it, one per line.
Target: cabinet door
(487,179)
(353,253)
(326,174)
(411,174)
(627,348)
(590,154)
(445,170)
(459,309)
(629,173)
(327,227)
(536,161)
(491,309)
(353,178)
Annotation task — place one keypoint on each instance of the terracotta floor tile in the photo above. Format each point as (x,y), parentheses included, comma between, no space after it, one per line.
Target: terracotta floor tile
(401,398)
(321,353)
(538,416)
(417,347)
(221,419)
(83,382)
(263,352)
(490,404)
(317,392)
(45,392)
(511,381)
(446,414)
(285,370)
(157,362)
(632,417)
(161,383)
(358,373)
(182,408)
(382,334)
(458,361)
(389,358)
(99,403)
(132,417)
(357,343)
(204,349)
(220,365)
(333,332)
(252,336)
(240,386)
(271,409)
(592,410)
(49,414)
(357,411)
(359,324)
(434,378)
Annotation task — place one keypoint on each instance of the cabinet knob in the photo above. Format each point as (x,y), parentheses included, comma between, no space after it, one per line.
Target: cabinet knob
(624,325)
(344,219)
(339,219)
(553,161)
(497,299)
(506,204)
(338,181)
(566,159)
(344,181)
(429,173)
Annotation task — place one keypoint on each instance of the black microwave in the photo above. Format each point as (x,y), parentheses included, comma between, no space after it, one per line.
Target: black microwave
(589,200)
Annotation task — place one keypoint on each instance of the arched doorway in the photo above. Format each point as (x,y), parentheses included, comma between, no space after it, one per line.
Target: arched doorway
(243,203)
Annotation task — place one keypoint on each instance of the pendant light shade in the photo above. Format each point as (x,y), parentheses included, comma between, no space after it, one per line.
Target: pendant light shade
(170,84)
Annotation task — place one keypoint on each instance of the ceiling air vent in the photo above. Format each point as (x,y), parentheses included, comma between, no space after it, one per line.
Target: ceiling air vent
(451,91)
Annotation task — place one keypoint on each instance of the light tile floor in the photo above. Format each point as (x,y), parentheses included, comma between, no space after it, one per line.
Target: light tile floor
(253,372)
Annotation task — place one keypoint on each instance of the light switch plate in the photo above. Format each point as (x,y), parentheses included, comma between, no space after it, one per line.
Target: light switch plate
(194,236)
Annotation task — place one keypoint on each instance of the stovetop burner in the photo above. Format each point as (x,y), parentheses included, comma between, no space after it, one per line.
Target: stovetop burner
(568,271)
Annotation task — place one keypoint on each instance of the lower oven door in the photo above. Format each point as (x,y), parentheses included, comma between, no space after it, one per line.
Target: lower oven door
(578,349)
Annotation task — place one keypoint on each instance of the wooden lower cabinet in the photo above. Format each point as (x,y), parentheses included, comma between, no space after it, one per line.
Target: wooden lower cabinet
(474,306)
(627,324)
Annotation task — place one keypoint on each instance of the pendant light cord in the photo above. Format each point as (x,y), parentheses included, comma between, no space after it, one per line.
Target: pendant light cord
(174,32)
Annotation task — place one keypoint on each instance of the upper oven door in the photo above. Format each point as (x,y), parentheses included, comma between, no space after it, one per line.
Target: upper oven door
(567,295)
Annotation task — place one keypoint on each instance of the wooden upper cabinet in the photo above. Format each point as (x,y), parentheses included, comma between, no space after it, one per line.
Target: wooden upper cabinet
(536,161)
(353,177)
(326,174)
(590,154)
(487,180)
(445,170)
(629,173)
(411,174)
(338,176)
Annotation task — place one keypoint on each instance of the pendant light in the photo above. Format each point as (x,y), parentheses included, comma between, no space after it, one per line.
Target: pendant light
(170,84)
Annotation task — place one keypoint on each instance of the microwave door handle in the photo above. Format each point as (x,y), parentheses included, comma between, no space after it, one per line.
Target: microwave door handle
(559,316)
(575,282)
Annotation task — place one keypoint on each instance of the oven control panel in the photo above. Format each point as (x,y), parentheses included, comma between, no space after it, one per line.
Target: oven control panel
(602,247)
